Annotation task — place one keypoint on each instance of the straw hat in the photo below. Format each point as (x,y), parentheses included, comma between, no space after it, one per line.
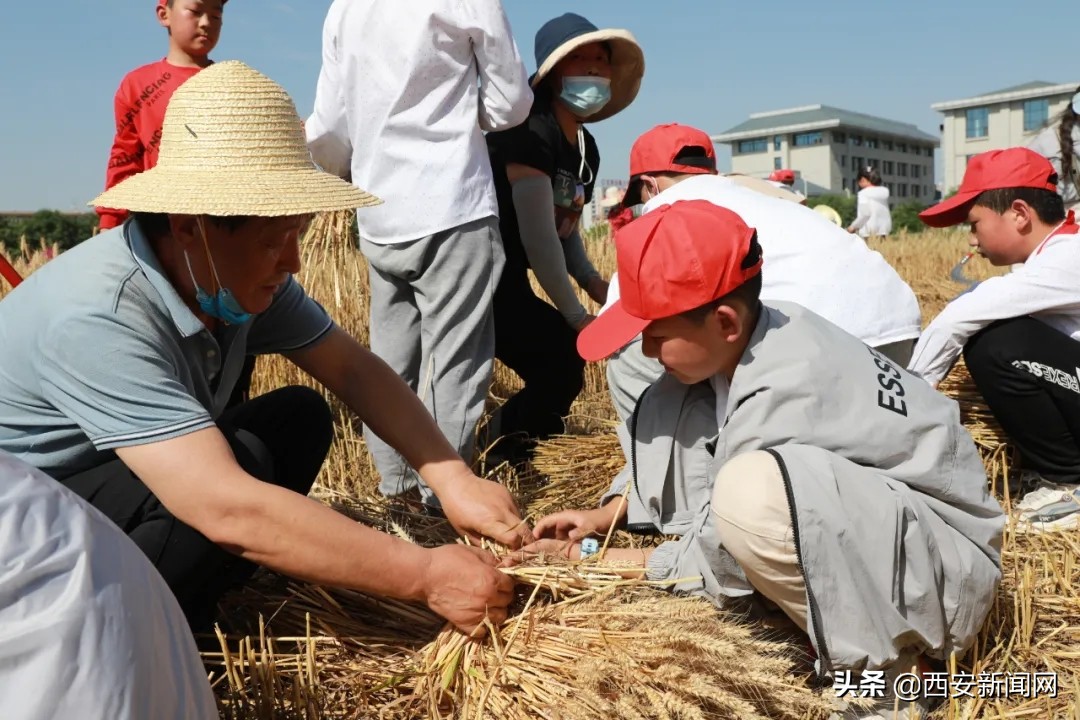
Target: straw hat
(561,36)
(232,144)
(613,195)
(829,213)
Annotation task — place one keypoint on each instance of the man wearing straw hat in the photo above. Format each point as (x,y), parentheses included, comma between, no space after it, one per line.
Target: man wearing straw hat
(119,357)
(405,91)
(836,485)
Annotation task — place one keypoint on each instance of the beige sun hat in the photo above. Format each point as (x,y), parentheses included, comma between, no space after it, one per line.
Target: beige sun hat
(764,187)
(233,144)
(560,36)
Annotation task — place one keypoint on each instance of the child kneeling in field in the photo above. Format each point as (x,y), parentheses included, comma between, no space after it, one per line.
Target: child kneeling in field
(790,458)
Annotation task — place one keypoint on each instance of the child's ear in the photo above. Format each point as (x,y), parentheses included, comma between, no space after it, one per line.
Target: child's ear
(163,15)
(1022,215)
(729,321)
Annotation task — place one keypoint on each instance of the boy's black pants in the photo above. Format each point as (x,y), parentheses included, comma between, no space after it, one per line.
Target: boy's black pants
(281,437)
(1027,372)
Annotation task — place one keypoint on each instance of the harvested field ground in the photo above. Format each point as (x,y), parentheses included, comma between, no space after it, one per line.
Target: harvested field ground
(582,643)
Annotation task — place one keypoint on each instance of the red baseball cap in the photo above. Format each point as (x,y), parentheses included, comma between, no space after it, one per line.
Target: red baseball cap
(784,176)
(671,260)
(994,170)
(669,148)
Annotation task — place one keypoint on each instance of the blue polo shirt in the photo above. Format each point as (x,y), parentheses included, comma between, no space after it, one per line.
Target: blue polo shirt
(98,351)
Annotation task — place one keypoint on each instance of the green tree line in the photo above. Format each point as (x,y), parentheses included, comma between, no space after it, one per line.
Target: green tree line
(49,226)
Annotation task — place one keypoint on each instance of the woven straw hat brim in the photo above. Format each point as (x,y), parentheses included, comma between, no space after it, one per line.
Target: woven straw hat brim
(232,144)
(627,67)
(225,193)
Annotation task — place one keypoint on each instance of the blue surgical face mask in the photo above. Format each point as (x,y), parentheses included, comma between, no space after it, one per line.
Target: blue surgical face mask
(222,305)
(585,95)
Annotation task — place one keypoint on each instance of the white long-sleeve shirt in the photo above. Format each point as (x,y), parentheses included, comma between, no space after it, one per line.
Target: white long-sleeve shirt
(873,215)
(810,261)
(1046,287)
(405,91)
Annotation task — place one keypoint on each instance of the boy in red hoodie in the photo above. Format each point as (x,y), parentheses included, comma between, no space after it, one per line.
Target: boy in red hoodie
(194,28)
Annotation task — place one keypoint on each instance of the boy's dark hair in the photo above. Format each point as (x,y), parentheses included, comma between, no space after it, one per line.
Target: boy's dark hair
(748,294)
(156,225)
(1065,131)
(169,3)
(870,174)
(1047,204)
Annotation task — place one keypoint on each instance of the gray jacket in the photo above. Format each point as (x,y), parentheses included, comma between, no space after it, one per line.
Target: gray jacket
(1048,144)
(897,534)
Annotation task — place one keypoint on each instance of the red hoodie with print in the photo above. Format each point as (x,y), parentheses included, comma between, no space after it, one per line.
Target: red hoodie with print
(140,111)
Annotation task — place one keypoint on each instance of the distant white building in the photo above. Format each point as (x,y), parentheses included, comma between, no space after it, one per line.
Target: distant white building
(593,213)
(1005,118)
(826,147)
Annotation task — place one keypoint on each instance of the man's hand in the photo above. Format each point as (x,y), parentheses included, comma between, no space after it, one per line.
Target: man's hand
(584,322)
(574,524)
(597,289)
(462,585)
(482,508)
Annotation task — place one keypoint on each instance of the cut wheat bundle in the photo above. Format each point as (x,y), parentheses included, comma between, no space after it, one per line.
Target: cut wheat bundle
(576,471)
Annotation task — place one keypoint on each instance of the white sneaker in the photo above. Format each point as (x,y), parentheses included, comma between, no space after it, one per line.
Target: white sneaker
(1050,507)
(1043,494)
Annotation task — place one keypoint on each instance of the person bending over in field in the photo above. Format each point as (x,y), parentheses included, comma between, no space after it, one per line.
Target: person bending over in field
(791,459)
(120,355)
(1019,333)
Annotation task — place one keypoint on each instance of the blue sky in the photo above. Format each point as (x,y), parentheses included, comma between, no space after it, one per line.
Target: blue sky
(709,63)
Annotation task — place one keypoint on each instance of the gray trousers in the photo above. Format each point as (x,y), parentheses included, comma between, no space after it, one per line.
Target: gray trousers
(432,322)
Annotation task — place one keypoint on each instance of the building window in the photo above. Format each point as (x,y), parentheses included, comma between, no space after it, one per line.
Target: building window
(839,137)
(915,191)
(857,164)
(856,139)
(901,147)
(888,144)
(777,163)
(901,169)
(887,167)
(902,188)
(978,122)
(915,170)
(810,138)
(777,142)
(1036,113)
(753,146)
(843,161)
(872,143)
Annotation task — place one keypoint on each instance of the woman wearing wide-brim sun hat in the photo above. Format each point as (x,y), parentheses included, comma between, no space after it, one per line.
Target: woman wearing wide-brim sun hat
(545,170)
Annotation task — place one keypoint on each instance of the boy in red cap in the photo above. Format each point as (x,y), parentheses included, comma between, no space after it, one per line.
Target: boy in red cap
(841,488)
(194,28)
(1019,333)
